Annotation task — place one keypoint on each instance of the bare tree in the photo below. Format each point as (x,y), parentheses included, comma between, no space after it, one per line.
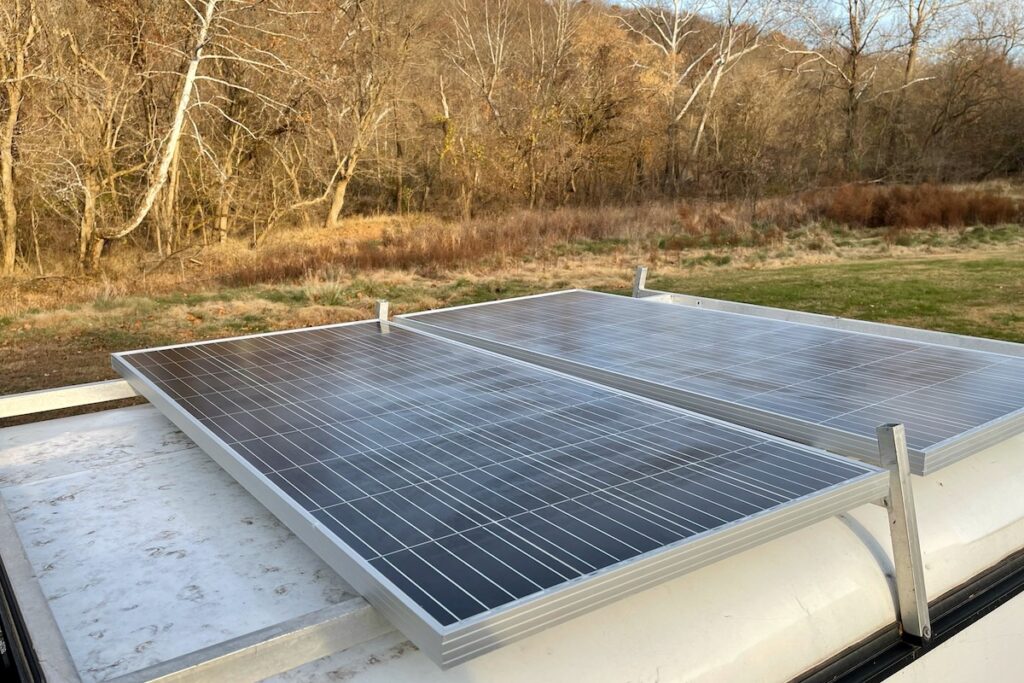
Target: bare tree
(973,81)
(551,33)
(603,89)
(101,89)
(205,14)
(478,46)
(166,122)
(672,27)
(243,120)
(741,24)
(454,151)
(366,45)
(93,111)
(19,29)
(920,19)
(844,35)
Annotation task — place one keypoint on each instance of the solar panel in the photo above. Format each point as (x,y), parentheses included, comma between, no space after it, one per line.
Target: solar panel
(474,499)
(817,385)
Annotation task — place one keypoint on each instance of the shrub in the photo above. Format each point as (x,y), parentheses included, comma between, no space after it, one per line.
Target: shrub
(734,224)
(919,206)
(430,245)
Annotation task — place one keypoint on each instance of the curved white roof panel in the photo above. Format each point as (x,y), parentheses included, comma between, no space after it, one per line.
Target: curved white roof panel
(814,384)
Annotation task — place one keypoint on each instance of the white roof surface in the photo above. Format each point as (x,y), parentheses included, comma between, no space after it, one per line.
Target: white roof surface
(145,549)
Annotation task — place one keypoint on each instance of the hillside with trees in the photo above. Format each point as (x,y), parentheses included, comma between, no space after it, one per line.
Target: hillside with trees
(162,124)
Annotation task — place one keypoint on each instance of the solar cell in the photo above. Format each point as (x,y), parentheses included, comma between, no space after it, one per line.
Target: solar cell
(473,498)
(813,384)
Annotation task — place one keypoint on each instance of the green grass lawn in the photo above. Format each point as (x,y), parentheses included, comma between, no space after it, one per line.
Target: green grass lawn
(977,296)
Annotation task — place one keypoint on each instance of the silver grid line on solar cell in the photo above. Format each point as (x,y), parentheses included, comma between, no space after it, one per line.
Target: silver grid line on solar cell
(818,385)
(816,492)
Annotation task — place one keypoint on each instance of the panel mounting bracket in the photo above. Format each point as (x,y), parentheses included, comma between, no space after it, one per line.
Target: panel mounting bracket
(380,311)
(639,281)
(906,546)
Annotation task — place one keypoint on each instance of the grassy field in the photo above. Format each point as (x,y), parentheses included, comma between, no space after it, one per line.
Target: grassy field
(977,292)
(974,294)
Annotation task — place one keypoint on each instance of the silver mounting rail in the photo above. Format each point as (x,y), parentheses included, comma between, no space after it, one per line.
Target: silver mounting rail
(44,400)
(639,281)
(906,546)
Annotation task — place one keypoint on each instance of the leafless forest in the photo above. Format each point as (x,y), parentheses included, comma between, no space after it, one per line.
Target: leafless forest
(165,123)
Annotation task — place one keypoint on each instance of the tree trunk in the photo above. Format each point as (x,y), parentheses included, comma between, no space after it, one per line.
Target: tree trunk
(466,200)
(224,212)
(637,187)
(13,79)
(87,225)
(850,155)
(164,218)
(467,190)
(400,201)
(95,251)
(227,191)
(9,232)
(672,159)
(337,203)
(90,244)
(850,138)
(898,115)
(534,188)
(699,135)
(345,170)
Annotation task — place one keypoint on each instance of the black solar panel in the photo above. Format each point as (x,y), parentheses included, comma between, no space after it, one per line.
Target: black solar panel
(472,497)
(823,386)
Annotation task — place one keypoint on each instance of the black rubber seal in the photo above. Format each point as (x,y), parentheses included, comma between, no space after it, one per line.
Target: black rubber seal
(884,653)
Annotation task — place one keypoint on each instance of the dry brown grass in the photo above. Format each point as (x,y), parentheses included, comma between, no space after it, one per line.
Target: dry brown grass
(813,227)
(429,245)
(899,208)
(737,223)
(920,206)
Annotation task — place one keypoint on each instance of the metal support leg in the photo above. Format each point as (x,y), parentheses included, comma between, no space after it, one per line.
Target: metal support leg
(639,281)
(380,309)
(906,547)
